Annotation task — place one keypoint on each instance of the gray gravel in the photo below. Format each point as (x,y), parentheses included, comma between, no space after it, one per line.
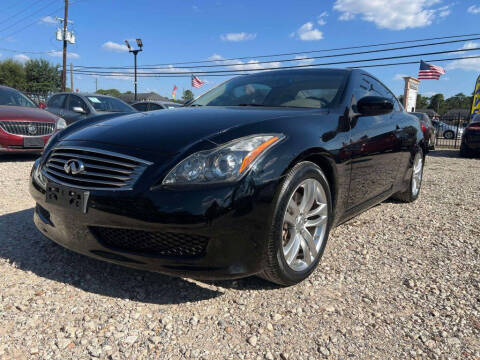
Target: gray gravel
(401,281)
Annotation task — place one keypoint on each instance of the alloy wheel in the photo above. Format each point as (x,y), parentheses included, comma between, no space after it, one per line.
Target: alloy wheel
(304,225)
(417,174)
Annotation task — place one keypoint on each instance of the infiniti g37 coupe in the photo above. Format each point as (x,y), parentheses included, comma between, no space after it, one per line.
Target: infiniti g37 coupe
(248,179)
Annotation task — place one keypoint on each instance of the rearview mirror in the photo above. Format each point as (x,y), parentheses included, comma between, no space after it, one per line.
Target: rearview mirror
(374,105)
(79,110)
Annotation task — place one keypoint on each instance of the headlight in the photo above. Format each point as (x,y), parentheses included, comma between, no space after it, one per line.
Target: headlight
(61,124)
(224,164)
(38,176)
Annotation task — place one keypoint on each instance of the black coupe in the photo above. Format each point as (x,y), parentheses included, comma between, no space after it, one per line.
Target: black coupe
(248,179)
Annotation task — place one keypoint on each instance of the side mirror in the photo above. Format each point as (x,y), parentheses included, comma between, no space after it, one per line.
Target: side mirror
(79,110)
(374,105)
(42,105)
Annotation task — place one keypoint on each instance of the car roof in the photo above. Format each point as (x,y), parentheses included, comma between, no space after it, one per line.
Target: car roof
(157,102)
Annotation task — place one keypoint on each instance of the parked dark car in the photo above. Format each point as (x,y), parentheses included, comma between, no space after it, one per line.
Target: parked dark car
(249,179)
(155,105)
(470,144)
(24,127)
(429,131)
(75,106)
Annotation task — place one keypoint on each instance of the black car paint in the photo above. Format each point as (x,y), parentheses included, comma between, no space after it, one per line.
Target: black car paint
(365,158)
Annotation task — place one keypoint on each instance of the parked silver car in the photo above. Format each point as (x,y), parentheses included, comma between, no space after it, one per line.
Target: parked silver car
(447,131)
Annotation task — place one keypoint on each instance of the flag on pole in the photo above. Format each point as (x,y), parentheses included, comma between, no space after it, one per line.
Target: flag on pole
(196,82)
(174,91)
(430,72)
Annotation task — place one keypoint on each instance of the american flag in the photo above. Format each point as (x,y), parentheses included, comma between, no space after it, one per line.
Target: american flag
(430,72)
(196,82)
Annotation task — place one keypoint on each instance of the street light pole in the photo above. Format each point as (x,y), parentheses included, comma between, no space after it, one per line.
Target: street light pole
(135,53)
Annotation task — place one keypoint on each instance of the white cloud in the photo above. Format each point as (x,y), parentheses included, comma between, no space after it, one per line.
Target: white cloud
(468,64)
(21,58)
(115,47)
(321,18)
(474,9)
(392,14)
(239,65)
(70,55)
(304,60)
(399,77)
(48,20)
(236,37)
(307,32)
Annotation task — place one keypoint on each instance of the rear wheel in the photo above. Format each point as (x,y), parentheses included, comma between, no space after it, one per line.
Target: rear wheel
(301,226)
(411,194)
(449,134)
(465,151)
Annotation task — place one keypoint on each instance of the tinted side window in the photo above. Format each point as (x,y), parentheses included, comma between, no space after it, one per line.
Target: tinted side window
(57,101)
(378,89)
(75,101)
(155,107)
(141,106)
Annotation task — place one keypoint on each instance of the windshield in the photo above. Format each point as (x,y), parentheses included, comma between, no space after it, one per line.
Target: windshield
(102,103)
(11,97)
(306,89)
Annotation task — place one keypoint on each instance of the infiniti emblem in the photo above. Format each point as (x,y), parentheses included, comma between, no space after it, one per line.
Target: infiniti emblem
(32,129)
(74,167)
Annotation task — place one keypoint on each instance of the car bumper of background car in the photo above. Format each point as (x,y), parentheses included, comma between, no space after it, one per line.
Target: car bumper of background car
(215,233)
(10,143)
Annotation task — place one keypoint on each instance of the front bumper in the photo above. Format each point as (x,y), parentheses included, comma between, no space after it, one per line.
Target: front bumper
(11,143)
(234,218)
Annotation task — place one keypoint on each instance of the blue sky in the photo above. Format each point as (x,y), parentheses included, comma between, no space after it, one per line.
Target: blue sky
(174,31)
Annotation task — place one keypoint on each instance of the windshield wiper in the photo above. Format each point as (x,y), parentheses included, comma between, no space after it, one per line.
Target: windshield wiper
(192,105)
(250,105)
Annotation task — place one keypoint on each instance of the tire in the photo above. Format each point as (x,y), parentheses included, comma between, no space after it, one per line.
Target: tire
(464,151)
(291,255)
(411,194)
(449,134)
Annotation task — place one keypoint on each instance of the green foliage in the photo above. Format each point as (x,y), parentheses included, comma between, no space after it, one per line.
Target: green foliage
(41,76)
(422,102)
(12,74)
(187,95)
(110,92)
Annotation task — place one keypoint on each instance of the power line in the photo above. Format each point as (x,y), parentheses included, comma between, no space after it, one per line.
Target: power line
(28,16)
(8,18)
(306,65)
(173,75)
(316,51)
(291,60)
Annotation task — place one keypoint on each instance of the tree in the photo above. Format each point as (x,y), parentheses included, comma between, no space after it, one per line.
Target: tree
(110,92)
(12,74)
(459,101)
(187,95)
(41,76)
(437,103)
(422,101)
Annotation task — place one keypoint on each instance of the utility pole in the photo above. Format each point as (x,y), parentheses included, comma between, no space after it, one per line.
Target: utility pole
(71,76)
(96,84)
(135,53)
(64,69)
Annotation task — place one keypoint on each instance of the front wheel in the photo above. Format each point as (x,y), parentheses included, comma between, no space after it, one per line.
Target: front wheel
(411,194)
(301,225)
(464,151)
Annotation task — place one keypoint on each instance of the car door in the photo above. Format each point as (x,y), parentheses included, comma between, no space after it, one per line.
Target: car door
(56,103)
(373,147)
(75,102)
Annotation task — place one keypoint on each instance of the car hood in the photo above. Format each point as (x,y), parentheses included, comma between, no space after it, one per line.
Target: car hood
(169,132)
(26,114)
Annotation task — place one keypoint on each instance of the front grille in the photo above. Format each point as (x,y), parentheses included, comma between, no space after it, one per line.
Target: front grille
(103,170)
(152,243)
(28,128)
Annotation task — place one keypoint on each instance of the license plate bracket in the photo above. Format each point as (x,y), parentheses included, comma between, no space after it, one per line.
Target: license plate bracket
(67,197)
(33,142)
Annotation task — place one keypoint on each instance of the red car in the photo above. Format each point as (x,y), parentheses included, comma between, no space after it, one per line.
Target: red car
(23,126)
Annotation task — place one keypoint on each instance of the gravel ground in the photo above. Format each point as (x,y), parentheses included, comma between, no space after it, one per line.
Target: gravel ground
(401,281)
